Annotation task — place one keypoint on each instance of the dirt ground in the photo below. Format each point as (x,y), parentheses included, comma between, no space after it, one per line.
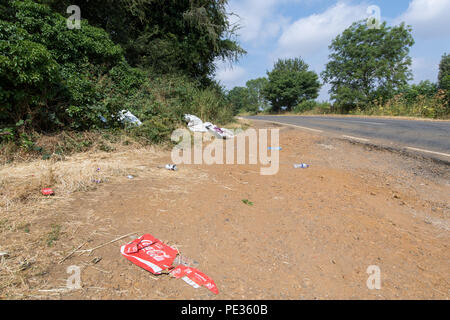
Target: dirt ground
(310,233)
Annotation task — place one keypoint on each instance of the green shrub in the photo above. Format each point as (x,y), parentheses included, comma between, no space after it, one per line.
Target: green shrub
(304,106)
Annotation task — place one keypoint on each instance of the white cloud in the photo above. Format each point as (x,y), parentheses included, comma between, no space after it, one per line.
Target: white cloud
(230,76)
(429,18)
(314,33)
(258,18)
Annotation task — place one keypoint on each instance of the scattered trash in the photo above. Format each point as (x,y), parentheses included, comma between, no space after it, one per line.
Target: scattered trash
(127,116)
(273,148)
(194,278)
(149,253)
(97,181)
(220,133)
(98,169)
(96,260)
(247,202)
(47,192)
(4,255)
(102,119)
(153,255)
(301,166)
(172,167)
(195,124)
(130,177)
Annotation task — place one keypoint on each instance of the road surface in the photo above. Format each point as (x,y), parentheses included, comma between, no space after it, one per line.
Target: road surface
(432,137)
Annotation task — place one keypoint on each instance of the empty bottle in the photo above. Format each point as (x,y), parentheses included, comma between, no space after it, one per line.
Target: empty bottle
(172,167)
(301,166)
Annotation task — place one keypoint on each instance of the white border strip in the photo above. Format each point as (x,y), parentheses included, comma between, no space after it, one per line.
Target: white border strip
(428,151)
(356,138)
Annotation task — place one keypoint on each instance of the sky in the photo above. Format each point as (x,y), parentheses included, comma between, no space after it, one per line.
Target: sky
(273,29)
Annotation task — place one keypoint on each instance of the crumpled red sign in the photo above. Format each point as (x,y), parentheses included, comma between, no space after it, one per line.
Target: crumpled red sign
(149,253)
(194,277)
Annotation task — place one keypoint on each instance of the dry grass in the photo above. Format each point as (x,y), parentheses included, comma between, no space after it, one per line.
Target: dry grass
(30,223)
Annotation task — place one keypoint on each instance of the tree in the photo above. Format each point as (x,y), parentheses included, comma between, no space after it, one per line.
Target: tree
(239,97)
(290,82)
(183,36)
(255,88)
(367,64)
(444,78)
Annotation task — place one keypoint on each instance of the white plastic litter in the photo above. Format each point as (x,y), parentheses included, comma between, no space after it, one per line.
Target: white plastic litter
(127,116)
(195,124)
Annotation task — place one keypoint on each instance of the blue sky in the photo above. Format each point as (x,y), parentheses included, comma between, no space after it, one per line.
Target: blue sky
(272,29)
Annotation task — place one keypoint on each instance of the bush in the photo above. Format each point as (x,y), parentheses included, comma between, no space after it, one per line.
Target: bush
(304,106)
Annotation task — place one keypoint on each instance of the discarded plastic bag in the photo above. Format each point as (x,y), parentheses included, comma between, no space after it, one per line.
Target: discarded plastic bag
(301,166)
(195,124)
(194,278)
(127,116)
(149,253)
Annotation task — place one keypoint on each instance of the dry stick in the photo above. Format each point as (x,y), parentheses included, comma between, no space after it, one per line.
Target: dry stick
(70,254)
(102,245)
(243,182)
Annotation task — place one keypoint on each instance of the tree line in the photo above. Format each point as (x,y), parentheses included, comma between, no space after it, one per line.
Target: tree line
(152,57)
(368,71)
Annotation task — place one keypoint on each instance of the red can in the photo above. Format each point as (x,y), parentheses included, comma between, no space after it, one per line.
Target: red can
(47,192)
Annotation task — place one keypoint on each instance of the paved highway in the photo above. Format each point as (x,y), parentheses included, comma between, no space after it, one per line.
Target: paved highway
(424,136)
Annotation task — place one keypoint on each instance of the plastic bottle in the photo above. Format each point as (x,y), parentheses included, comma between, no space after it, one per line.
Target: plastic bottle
(301,166)
(172,167)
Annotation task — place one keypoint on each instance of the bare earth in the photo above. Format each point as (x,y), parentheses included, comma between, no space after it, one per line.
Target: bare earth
(310,233)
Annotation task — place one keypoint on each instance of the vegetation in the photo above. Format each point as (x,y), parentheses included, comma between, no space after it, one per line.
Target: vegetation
(53,78)
(369,71)
(290,82)
(368,64)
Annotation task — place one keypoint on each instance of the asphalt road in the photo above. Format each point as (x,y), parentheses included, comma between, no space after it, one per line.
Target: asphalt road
(431,136)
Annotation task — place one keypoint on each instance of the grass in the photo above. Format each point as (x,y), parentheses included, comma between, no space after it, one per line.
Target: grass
(247,202)
(53,235)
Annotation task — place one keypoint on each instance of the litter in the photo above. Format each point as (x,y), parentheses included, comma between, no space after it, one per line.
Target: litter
(47,192)
(172,167)
(301,166)
(130,177)
(154,256)
(4,255)
(194,278)
(127,116)
(272,148)
(149,253)
(195,124)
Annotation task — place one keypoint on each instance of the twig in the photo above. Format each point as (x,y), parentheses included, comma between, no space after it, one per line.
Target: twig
(72,252)
(243,182)
(102,245)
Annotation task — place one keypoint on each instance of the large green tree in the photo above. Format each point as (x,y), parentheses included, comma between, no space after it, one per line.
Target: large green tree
(444,78)
(183,36)
(255,89)
(367,64)
(290,82)
(239,98)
